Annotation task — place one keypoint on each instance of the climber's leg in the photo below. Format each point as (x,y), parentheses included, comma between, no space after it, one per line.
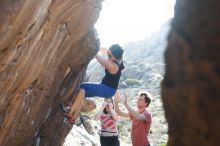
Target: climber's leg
(78,101)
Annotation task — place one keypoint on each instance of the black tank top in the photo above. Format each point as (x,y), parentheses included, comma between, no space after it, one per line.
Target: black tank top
(112,80)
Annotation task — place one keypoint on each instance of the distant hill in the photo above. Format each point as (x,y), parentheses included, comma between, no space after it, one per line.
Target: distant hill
(148,50)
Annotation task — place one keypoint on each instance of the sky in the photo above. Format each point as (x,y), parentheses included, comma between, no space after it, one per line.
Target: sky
(122,21)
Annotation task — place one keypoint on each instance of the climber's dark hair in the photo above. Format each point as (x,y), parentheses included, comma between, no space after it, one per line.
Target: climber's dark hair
(117,51)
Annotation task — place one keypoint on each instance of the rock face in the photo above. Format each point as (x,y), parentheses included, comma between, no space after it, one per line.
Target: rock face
(45,46)
(191,85)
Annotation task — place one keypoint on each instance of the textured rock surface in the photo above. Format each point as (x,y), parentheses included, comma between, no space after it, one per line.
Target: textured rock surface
(88,105)
(191,86)
(45,46)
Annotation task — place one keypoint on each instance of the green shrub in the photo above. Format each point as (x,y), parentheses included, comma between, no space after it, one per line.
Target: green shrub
(131,82)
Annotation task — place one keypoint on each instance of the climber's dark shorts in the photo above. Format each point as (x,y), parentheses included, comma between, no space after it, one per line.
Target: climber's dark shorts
(97,89)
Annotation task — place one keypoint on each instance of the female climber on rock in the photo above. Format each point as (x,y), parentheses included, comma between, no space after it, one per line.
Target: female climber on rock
(109,84)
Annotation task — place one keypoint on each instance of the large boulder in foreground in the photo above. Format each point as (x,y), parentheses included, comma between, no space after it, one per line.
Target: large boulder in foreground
(45,46)
(191,87)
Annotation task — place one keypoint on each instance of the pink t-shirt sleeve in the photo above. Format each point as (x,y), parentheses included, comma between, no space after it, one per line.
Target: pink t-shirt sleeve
(130,116)
(147,116)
